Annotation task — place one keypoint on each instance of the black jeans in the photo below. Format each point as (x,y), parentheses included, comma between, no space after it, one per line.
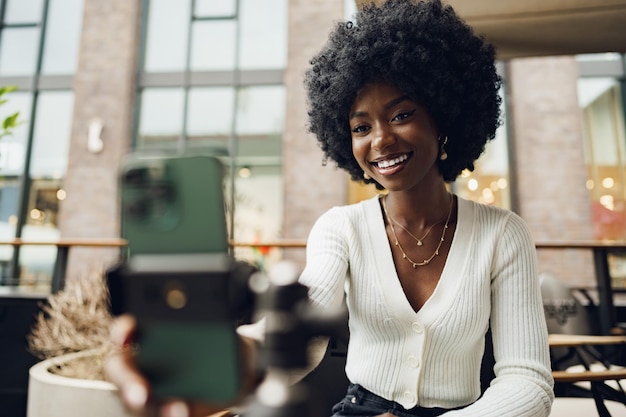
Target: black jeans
(360,402)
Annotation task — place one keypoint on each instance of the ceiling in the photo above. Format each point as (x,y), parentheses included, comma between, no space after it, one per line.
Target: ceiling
(523,28)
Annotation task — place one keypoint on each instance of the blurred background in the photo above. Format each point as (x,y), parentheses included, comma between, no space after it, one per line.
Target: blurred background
(99,79)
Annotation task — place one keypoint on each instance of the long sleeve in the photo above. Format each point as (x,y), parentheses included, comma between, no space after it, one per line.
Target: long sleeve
(523,383)
(327,260)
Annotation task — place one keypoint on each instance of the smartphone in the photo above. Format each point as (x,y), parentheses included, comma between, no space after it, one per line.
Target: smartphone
(173,205)
(176,276)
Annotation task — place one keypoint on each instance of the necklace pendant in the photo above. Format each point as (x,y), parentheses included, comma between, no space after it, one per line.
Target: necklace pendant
(418,242)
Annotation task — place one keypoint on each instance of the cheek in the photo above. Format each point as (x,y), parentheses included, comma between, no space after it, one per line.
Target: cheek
(427,140)
(431,150)
(359,152)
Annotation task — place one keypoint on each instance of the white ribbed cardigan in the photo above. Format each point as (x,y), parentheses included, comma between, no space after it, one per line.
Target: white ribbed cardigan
(432,357)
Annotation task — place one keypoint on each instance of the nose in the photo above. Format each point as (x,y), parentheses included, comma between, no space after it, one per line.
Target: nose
(383,136)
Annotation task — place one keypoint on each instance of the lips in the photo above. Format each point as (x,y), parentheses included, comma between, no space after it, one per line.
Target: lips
(391,164)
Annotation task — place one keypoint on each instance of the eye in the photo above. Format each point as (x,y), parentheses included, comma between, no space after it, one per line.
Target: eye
(403,115)
(360,129)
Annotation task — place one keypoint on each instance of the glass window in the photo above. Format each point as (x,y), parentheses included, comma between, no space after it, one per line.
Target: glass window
(212,8)
(258,179)
(51,138)
(12,158)
(489,182)
(37,262)
(62,37)
(263,31)
(263,34)
(210,112)
(18,51)
(13,147)
(209,53)
(166,42)
(9,197)
(44,204)
(603,118)
(47,128)
(161,120)
(261,110)
(258,199)
(23,11)
(601,100)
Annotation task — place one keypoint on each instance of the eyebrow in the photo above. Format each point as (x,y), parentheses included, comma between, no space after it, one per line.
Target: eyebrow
(387,106)
(396,101)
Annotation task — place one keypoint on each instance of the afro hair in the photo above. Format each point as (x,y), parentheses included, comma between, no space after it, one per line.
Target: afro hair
(429,53)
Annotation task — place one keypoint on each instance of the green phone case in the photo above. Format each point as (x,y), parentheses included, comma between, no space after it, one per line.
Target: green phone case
(204,373)
(173,205)
(173,217)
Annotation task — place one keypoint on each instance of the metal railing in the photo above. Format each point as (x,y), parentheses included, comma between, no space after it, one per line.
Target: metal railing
(63,248)
(600,250)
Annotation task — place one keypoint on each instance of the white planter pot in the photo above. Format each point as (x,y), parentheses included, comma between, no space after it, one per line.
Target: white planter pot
(51,395)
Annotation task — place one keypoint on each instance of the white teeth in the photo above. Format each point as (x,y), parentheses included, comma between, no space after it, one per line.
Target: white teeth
(391,162)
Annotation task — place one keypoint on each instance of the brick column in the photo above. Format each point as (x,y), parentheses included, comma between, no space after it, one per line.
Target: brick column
(550,166)
(310,188)
(104,88)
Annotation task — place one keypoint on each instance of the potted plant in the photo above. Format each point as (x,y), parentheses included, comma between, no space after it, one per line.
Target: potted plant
(71,336)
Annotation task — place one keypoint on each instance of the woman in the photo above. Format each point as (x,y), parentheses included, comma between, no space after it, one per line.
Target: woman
(406,98)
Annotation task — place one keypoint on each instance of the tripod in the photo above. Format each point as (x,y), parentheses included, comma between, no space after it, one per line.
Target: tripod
(291,321)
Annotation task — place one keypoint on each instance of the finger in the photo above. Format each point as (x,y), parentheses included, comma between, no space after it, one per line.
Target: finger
(183,409)
(120,368)
(175,409)
(123,330)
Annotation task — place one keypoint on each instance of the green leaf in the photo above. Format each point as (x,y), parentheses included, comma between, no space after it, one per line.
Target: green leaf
(10,121)
(7,89)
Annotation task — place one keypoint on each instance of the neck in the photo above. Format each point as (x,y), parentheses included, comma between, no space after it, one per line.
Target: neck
(418,210)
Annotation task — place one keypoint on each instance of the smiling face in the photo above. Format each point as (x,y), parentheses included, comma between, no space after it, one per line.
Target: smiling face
(394,139)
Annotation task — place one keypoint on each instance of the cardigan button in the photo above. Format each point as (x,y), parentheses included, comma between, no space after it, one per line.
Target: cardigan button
(413,361)
(417,327)
(408,397)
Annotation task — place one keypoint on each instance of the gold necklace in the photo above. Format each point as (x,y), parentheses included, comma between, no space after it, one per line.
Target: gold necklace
(397,242)
(418,241)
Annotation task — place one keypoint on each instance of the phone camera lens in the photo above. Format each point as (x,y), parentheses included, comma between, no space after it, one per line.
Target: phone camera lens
(162,192)
(136,176)
(138,208)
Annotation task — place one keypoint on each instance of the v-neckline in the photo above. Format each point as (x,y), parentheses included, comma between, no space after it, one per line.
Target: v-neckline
(451,273)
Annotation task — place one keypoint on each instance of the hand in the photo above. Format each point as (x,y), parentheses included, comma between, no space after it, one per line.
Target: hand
(121,369)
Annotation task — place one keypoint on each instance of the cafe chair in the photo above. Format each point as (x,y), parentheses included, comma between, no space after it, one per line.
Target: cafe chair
(583,361)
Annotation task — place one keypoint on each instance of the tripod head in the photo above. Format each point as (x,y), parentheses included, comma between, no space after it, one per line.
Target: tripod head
(291,321)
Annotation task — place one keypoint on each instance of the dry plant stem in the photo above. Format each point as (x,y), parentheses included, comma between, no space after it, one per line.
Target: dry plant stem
(74,320)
